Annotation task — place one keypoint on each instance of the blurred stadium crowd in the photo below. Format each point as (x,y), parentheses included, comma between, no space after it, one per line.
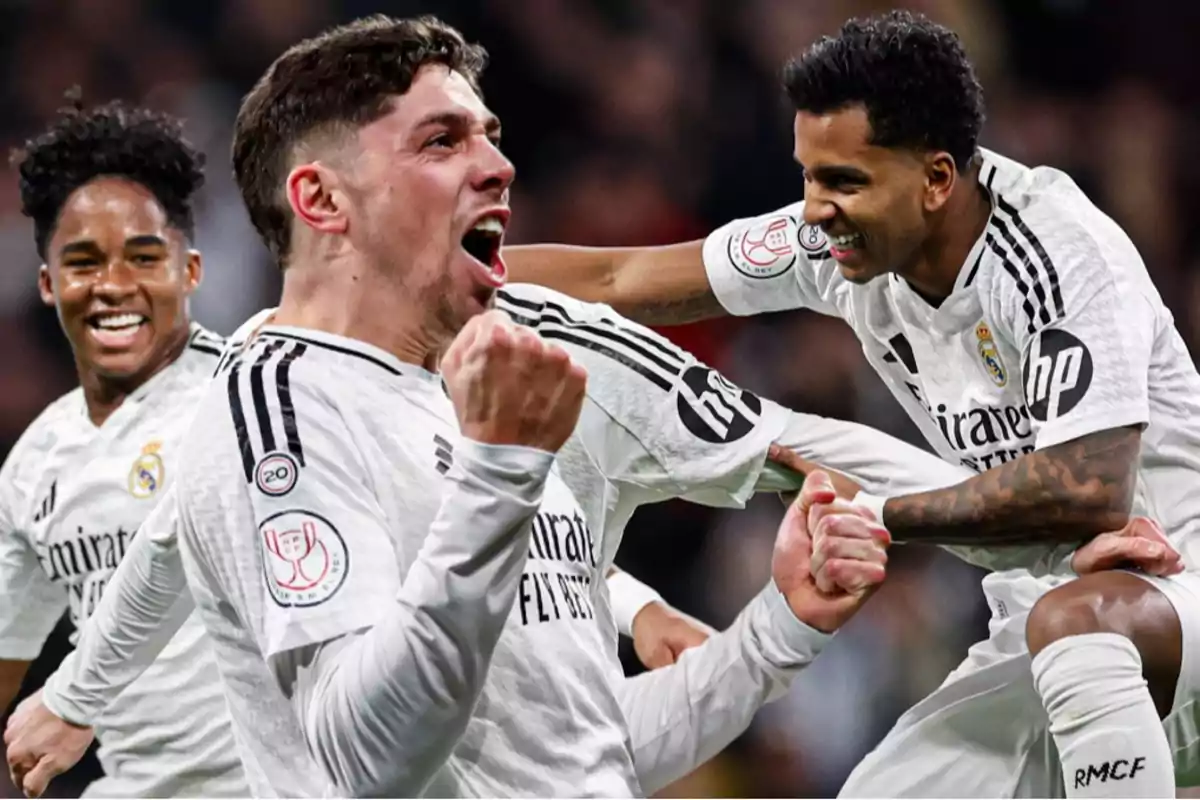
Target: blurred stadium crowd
(643,122)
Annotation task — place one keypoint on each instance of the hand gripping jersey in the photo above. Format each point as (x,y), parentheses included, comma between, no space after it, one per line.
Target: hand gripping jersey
(72,496)
(1053,331)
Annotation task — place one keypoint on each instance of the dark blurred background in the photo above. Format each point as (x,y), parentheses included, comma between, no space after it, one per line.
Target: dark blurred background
(646,122)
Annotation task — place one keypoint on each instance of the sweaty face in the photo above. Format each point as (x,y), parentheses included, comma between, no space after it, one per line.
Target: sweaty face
(869,200)
(429,196)
(119,276)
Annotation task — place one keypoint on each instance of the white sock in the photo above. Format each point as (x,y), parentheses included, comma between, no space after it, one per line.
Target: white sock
(1108,733)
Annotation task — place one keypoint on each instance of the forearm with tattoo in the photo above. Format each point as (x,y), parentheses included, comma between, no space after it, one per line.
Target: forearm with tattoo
(1066,493)
(676,311)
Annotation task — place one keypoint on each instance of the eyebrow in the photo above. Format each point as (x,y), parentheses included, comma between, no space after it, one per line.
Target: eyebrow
(89,246)
(833,173)
(459,121)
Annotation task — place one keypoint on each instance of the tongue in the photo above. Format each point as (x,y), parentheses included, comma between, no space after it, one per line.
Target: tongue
(499,269)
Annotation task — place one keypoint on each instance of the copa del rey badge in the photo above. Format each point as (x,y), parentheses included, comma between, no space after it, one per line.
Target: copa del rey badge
(305,560)
(764,248)
(990,355)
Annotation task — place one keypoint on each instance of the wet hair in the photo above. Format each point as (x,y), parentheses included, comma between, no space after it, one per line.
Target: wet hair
(112,140)
(911,75)
(343,79)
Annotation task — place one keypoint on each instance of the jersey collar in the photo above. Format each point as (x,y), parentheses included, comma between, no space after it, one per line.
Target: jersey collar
(367,353)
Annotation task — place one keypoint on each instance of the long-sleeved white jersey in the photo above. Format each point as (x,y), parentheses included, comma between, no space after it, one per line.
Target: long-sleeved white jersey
(1054,330)
(72,496)
(627,450)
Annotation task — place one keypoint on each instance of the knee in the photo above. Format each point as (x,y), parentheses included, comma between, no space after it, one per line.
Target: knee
(1073,609)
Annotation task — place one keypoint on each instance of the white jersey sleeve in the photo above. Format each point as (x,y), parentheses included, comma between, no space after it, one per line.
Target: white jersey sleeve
(382,710)
(30,605)
(382,667)
(657,420)
(143,607)
(682,715)
(880,463)
(1078,305)
(772,262)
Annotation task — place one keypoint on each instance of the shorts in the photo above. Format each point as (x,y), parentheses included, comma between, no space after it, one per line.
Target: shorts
(984,732)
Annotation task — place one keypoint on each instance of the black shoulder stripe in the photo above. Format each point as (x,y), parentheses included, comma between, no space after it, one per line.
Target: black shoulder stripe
(239,422)
(258,395)
(1042,255)
(597,347)
(283,385)
(656,360)
(1016,276)
(269,379)
(1019,253)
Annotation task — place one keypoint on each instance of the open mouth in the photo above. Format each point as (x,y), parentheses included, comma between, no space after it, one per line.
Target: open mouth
(845,245)
(482,243)
(116,330)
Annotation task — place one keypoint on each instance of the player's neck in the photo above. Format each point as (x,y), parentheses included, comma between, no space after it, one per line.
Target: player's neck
(347,300)
(104,394)
(944,253)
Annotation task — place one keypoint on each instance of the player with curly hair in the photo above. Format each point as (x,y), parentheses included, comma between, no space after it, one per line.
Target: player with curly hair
(1016,323)
(110,192)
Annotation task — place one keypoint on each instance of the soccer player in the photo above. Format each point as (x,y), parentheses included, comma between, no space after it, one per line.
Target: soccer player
(1017,325)
(400,588)
(110,191)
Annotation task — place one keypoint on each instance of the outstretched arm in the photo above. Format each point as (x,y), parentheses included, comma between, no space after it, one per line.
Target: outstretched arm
(651,285)
(1066,493)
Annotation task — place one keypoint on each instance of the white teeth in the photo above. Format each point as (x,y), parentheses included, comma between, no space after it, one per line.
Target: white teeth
(490,225)
(120,321)
(844,241)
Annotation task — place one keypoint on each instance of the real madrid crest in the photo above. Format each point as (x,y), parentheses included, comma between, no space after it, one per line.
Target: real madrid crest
(147,474)
(990,355)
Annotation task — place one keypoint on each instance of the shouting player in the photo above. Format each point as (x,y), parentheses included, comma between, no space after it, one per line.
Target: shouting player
(656,455)
(110,191)
(1017,325)
(358,543)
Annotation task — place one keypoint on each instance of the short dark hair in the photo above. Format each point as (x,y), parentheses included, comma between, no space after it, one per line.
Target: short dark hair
(911,75)
(346,76)
(144,146)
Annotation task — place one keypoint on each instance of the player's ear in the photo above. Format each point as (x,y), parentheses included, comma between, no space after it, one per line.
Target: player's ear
(193,272)
(315,197)
(45,285)
(941,175)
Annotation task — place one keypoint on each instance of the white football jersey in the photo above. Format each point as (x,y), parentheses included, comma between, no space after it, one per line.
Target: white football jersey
(72,496)
(1054,330)
(315,469)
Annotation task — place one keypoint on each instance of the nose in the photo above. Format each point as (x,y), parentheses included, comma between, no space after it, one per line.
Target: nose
(116,281)
(495,171)
(818,210)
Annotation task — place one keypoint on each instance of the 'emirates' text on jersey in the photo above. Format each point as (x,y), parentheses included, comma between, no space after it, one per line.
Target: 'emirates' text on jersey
(328,455)
(1054,330)
(72,496)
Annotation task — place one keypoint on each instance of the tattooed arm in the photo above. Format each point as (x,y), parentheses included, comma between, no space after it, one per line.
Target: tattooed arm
(1068,492)
(651,285)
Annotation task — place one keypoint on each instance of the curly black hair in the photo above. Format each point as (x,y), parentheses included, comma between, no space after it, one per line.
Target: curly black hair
(143,146)
(910,74)
(345,77)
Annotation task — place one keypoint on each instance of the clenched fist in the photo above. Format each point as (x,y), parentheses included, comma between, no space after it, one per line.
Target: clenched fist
(661,634)
(829,555)
(511,387)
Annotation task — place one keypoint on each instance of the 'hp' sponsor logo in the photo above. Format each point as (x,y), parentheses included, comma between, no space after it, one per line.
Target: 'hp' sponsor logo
(714,409)
(1057,374)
